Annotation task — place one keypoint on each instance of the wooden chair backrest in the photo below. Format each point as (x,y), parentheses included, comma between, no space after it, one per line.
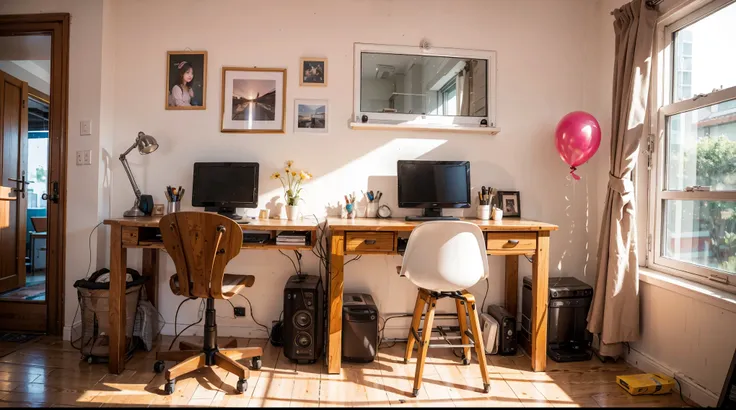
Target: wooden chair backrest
(201,244)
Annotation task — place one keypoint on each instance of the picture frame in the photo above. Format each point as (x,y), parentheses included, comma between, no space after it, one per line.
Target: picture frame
(313,72)
(253,100)
(311,116)
(180,64)
(509,202)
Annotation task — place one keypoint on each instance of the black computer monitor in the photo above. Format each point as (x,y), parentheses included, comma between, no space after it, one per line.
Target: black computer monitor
(223,186)
(434,185)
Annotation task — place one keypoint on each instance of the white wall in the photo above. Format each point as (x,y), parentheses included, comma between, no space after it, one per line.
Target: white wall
(681,334)
(84,104)
(532,49)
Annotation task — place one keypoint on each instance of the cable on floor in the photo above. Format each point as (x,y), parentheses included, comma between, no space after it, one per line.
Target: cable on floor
(201,316)
(250,308)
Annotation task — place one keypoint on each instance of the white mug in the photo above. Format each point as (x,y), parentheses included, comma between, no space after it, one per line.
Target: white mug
(483,212)
(497,214)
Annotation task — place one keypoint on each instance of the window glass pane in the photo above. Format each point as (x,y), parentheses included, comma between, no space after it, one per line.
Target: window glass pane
(701,232)
(701,48)
(451,101)
(701,148)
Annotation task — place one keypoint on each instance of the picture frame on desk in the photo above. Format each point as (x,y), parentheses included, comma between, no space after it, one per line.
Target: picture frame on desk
(186,80)
(253,100)
(510,203)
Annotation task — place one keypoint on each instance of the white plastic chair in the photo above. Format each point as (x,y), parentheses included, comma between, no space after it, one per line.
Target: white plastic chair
(443,258)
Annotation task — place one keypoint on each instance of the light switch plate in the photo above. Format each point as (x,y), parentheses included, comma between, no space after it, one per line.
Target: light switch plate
(85,127)
(87,157)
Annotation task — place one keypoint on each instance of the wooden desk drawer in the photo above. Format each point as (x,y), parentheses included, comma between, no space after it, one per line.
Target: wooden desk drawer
(511,241)
(369,241)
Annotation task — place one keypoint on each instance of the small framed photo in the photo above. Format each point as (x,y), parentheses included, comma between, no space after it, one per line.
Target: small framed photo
(186,80)
(253,100)
(509,202)
(310,116)
(313,72)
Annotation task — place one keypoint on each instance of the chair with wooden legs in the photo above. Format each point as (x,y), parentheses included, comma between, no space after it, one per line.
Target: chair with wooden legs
(201,244)
(443,258)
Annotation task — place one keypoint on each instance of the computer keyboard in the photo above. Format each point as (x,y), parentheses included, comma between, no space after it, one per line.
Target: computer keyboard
(431,218)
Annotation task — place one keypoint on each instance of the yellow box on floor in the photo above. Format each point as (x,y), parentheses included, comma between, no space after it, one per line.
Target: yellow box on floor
(648,383)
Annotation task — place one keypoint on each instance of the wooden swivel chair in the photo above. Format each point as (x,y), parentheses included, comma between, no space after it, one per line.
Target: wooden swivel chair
(443,258)
(201,244)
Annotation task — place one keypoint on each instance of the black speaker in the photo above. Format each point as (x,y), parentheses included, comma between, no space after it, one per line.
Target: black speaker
(506,329)
(304,318)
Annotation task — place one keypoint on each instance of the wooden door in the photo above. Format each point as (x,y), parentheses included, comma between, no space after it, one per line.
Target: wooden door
(13,174)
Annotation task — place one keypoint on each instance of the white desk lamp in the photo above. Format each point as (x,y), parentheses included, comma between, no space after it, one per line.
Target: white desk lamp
(146,144)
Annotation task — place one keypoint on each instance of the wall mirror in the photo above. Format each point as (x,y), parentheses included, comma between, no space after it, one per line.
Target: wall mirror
(435,87)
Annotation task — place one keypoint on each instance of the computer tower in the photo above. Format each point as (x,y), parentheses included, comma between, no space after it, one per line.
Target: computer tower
(304,318)
(569,302)
(506,329)
(359,328)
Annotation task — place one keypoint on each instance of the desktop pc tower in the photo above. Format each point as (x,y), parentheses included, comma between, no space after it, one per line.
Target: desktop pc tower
(304,318)
(569,302)
(359,328)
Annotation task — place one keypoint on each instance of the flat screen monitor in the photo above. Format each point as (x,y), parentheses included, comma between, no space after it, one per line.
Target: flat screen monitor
(434,185)
(224,186)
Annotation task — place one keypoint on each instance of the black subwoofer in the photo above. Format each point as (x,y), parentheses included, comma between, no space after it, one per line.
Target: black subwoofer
(303,332)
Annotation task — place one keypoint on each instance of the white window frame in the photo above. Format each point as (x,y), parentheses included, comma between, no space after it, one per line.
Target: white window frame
(398,118)
(661,107)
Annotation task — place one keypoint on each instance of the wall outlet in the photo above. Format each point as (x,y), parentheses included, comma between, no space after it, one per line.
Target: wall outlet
(87,157)
(85,127)
(80,157)
(239,311)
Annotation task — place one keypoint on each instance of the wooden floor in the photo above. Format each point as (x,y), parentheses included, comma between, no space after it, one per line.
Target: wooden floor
(48,372)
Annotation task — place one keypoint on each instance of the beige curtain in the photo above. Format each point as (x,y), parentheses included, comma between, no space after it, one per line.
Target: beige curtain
(614,314)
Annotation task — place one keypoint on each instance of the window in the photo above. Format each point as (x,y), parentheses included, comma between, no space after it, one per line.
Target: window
(448,98)
(693,185)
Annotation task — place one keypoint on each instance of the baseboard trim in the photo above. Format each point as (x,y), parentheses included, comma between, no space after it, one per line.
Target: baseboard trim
(691,389)
(255,332)
(73,329)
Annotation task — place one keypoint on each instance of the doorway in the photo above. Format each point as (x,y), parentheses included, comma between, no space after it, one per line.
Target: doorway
(33,109)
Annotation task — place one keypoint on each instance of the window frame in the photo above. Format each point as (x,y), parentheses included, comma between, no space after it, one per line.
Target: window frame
(662,106)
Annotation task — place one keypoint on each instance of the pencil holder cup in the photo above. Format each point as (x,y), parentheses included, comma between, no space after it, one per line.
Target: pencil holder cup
(172,207)
(351,211)
(372,210)
(483,212)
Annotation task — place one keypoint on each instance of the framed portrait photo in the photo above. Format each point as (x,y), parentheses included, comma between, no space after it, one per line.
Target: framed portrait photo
(509,202)
(253,99)
(310,116)
(186,80)
(313,72)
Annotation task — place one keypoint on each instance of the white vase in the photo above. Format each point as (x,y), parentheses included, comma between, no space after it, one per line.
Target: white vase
(292,212)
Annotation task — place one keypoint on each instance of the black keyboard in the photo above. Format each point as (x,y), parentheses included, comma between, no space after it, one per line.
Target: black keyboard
(431,218)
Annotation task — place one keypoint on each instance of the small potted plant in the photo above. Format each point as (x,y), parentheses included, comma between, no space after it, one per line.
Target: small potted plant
(291,181)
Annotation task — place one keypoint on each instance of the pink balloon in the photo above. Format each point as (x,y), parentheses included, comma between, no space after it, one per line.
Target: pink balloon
(577,138)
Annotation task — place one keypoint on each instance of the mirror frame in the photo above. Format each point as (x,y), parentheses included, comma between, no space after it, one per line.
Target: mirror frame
(430,120)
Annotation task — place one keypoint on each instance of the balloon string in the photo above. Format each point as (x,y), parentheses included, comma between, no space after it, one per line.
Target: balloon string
(574,175)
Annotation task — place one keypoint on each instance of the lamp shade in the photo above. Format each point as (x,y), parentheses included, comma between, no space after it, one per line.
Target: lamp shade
(146,143)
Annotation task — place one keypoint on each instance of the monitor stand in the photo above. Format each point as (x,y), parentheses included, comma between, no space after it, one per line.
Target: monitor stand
(432,214)
(224,211)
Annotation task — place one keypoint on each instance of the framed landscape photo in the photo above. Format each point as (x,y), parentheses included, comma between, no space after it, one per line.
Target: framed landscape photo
(186,80)
(310,116)
(509,202)
(253,99)
(313,72)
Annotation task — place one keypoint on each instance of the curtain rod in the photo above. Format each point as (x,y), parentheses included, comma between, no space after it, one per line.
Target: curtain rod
(650,4)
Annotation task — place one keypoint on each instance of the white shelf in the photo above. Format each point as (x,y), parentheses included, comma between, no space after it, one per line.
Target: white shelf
(425,127)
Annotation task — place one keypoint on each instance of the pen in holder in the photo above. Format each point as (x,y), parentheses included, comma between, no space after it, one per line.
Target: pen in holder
(351,210)
(373,203)
(173,199)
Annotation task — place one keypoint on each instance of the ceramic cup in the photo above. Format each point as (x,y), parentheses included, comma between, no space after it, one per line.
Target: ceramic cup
(483,212)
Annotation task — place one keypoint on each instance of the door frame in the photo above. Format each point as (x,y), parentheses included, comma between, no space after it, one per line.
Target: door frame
(57,25)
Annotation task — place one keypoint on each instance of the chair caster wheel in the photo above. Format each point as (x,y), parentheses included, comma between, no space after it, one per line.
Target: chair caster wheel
(242,386)
(256,363)
(159,366)
(466,361)
(486,388)
(169,387)
(415,393)
(406,361)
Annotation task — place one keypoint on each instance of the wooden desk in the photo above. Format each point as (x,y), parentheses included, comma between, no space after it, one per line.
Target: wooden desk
(140,233)
(509,237)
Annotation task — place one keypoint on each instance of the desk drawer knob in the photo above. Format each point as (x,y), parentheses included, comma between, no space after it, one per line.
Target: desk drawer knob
(370,241)
(513,242)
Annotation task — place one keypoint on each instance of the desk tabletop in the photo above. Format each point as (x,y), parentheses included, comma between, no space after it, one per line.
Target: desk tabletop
(307,224)
(400,224)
